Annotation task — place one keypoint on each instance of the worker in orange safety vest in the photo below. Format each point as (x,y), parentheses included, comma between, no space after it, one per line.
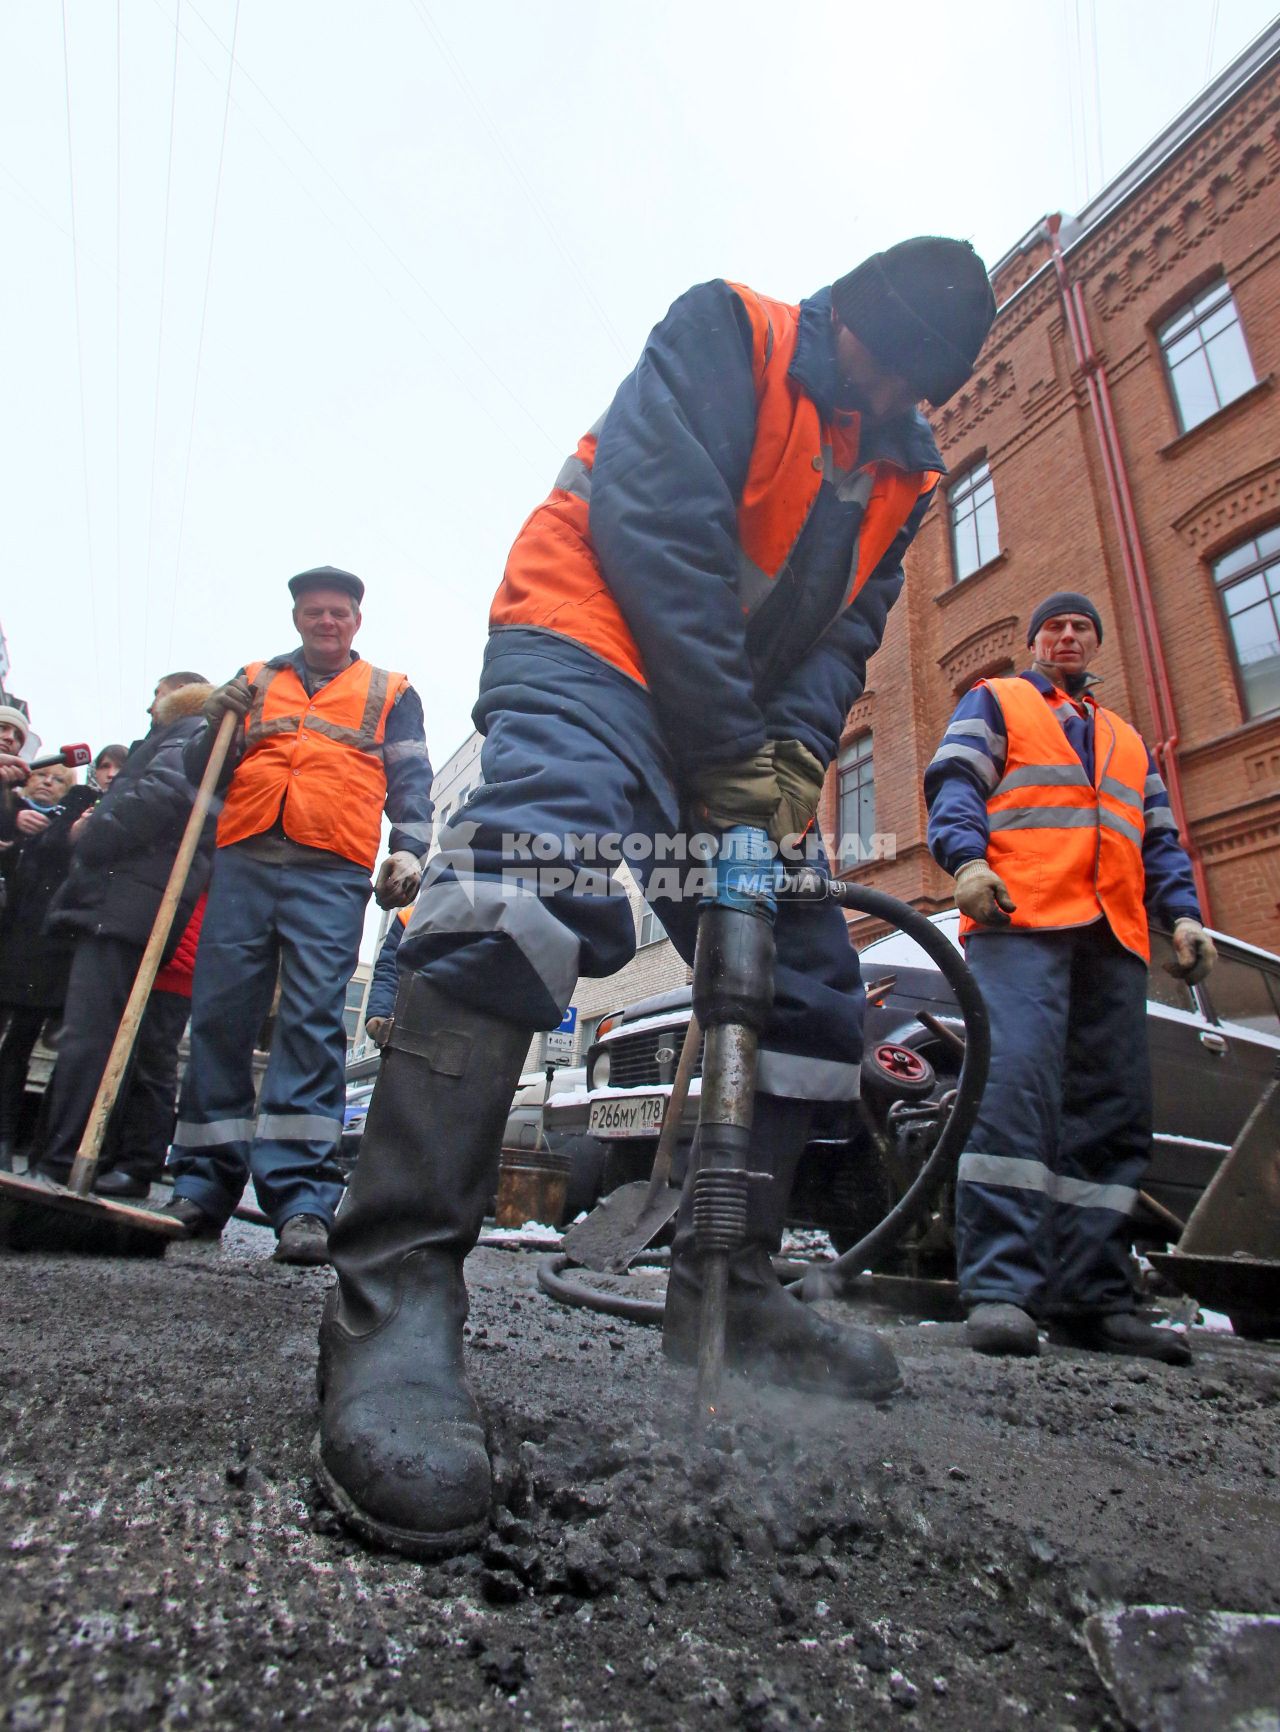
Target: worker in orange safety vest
(682,627)
(1052,815)
(328,743)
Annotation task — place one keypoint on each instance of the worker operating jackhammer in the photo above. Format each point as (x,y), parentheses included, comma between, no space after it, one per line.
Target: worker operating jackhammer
(682,628)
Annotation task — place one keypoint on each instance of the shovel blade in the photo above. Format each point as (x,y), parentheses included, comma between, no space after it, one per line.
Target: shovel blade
(621,1226)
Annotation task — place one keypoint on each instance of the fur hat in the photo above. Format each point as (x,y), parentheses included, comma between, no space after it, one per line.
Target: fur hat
(922,310)
(185,701)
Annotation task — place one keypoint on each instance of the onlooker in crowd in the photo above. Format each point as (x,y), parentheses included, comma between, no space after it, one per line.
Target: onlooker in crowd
(329,741)
(14,731)
(124,851)
(35,822)
(108,765)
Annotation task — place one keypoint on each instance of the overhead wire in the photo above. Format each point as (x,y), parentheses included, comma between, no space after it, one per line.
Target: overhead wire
(432,300)
(119,327)
(84,426)
(164,285)
(1097,93)
(1213,37)
(204,315)
(522,180)
(500,429)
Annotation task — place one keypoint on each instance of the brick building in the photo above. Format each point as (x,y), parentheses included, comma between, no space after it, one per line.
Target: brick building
(1121,435)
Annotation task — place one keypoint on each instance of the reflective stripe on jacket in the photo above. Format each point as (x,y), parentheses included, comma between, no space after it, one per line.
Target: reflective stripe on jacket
(554,581)
(1069,849)
(314,762)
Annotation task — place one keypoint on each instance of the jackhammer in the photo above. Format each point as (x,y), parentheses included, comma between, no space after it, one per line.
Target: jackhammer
(732,999)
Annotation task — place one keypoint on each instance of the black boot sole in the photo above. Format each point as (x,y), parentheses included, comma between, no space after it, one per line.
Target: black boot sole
(408,1542)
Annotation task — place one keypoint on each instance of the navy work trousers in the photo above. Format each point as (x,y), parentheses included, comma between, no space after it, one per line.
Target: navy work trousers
(521,901)
(102,975)
(1063,1137)
(305,923)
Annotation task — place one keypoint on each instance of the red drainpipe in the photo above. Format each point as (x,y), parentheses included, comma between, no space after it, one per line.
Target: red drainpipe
(1133,559)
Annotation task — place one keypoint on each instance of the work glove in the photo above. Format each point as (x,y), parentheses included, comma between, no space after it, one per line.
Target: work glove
(1194,952)
(800,778)
(236,695)
(398,879)
(744,792)
(983,895)
(378,1028)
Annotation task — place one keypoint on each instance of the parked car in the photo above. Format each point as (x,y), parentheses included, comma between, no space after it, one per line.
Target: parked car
(1213,1049)
(524,1125)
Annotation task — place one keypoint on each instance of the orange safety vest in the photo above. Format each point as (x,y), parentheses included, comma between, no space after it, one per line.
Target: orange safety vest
(553,579)
(1068,849)
(314,762)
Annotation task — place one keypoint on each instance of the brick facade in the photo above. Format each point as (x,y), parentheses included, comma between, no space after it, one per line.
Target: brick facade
(1204,204)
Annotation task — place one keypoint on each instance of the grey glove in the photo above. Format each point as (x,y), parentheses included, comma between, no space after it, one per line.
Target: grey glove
(983,895)
(1194,952)
(236,695)
(800,778)
(398,879)
(378,1028)
(744,792)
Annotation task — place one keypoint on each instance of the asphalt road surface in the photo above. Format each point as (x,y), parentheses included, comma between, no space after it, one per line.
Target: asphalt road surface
(930,1563)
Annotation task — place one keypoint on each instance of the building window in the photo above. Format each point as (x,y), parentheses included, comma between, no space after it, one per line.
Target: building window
(975,533)
(352,1006)
(857,800)
(1248,580)
(1204,351)
(651,930)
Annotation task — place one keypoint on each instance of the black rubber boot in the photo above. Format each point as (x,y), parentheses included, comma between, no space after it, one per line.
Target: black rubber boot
(1121,1332)
(770,1335)
(1004,1330)
(401,1450)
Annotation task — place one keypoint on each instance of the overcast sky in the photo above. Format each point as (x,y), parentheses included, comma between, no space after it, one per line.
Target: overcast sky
(442,232)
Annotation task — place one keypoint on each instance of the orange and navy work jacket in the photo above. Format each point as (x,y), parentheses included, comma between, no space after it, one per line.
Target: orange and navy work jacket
(1069,846)
(315,762)
(726,536)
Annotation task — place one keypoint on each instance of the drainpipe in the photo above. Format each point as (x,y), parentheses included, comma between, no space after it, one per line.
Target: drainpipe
(1132,556)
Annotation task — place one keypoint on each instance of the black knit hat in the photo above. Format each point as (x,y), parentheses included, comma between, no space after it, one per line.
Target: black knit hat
(327,577)
(922,309)
(1064,601)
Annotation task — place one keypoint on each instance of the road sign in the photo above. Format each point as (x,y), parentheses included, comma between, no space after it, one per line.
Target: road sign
(560,1043)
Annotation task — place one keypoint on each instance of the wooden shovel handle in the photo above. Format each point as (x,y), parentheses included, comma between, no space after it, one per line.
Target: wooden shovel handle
(85,1167)
(661,1173)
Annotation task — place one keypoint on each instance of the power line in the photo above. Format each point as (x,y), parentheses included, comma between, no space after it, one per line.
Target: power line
(164,283)
(500,428)
(204,313)
(1213,37)
(1097,91)
(518,174)
(119,300)
(84,431)
(436,305)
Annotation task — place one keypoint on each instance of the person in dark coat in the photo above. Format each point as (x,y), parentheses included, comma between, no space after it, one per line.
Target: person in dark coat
(36,821)
(123,857)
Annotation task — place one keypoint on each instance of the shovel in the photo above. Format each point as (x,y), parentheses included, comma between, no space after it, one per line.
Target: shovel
(630,1218)
(38,1216)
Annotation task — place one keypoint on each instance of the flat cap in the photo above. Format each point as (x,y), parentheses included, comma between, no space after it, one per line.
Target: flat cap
(327,577)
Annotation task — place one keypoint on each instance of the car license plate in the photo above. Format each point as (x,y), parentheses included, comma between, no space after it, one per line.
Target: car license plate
(632,1116)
